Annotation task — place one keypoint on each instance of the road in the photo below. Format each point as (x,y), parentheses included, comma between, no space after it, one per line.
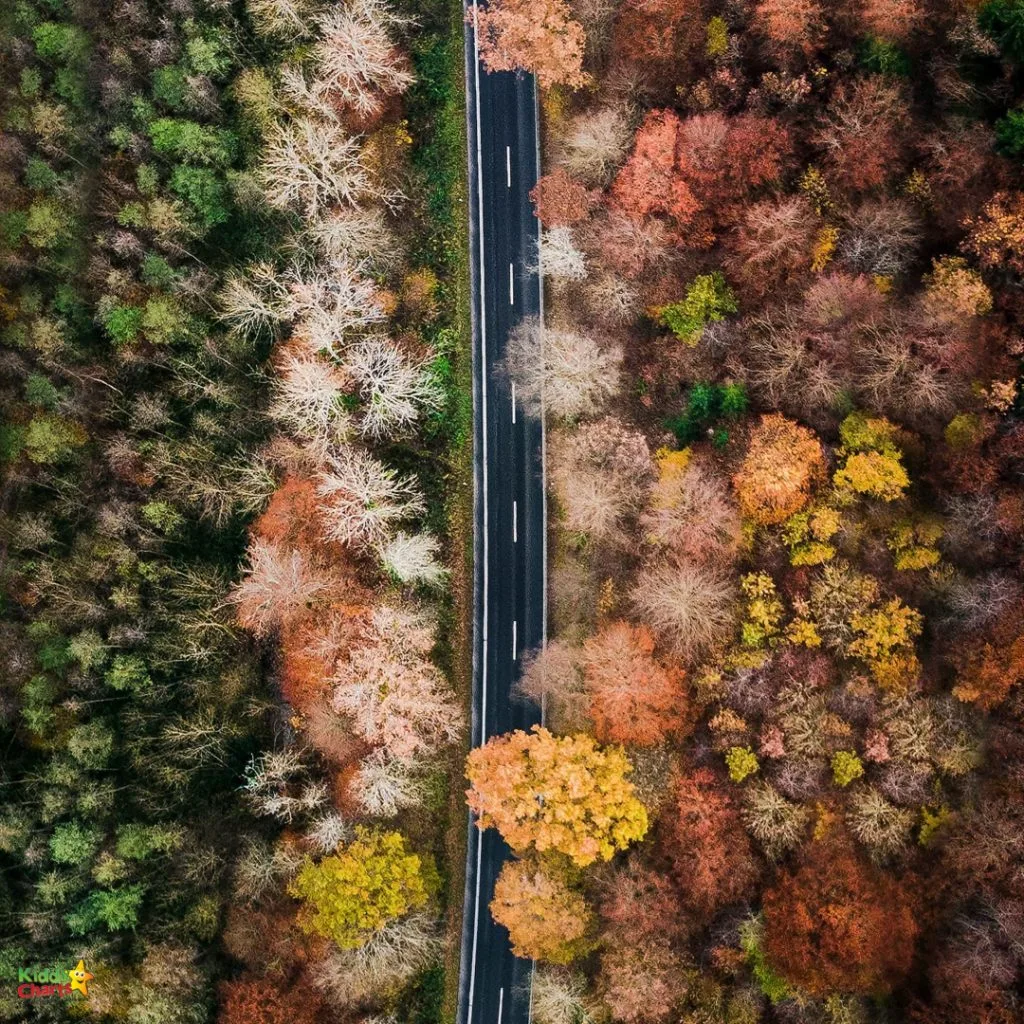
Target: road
(510,555)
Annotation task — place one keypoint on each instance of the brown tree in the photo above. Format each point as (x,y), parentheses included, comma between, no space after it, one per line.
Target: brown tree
(559,199)
(838,924)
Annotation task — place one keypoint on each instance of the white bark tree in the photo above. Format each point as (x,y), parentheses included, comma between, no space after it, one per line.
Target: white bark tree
(311,164)
(360,237)
(330,306)
(390,957)
(280,19)
(277,585)
(328,832)
(356,57)
(384,785)
(596,143)
(559,258)
(395,696)
(307,399)
(254,302)
(412,558)
(394,387)
(568,373)
(364,500)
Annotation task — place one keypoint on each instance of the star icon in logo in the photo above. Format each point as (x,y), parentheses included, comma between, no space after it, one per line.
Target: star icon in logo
(79,976)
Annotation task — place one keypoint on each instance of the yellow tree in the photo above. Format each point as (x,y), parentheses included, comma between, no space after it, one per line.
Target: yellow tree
(556,793)
(349,896)
(546,918)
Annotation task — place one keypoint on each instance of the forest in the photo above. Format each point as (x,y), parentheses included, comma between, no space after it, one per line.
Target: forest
(234,449)
(779,778)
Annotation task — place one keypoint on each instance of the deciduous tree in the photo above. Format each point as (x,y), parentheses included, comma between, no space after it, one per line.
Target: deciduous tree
(783,463)
(712,858)
(837,924)
(541,38)
(634,697)
(588,810)
(546,918)
(349,896)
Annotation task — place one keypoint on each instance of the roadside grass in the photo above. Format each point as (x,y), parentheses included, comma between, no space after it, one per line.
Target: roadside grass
(435,108)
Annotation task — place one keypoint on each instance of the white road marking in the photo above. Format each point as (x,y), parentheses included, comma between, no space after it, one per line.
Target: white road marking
(511,285)
(513,401)
(501,1002)
(508,166)
(515,642)
(515,522)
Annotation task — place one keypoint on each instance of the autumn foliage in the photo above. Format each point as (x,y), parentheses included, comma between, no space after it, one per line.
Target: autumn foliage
(545,917)
(634,696)
(588,811)
(836,923)
(783,463)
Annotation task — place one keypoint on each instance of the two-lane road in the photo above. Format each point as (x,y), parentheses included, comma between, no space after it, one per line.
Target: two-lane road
(510,556)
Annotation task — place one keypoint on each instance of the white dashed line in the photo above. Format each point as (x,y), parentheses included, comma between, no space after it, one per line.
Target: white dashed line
(515,522)
(508,166)
(511,285)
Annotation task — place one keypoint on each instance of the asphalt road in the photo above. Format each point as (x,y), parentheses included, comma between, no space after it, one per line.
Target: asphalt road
(510,562)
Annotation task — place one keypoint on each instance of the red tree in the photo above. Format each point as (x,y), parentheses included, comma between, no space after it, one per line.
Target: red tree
(838,924)
(262,1001)
(711,854)
(699,172)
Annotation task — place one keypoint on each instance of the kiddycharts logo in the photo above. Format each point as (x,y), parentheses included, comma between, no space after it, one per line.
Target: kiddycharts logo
(53,982)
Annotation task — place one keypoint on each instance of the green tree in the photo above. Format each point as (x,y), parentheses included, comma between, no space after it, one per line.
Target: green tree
(74,843)
(708,300)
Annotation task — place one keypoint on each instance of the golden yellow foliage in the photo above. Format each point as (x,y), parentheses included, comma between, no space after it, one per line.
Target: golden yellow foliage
(546,918)
(564,794)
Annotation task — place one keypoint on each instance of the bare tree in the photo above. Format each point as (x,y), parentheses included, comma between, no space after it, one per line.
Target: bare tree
(356,57)
(277,585)
(564,372)
(412,558)
(384,785)
(558,257)
(690,606)
(310,165)
(328,832)
(559,997)
(600,473)
(331,305)
(552,677)
(693,513)
(595,144)
(882,827)
(391,956)
(612,299)
(395,696)
(363,499)
(394,387)
(359,236)
(280,19)
(256,301)
(772,820)
(307,398)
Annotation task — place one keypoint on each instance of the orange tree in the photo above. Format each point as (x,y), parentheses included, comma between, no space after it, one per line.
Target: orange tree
(564,794)
(781,466)
(546,918)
